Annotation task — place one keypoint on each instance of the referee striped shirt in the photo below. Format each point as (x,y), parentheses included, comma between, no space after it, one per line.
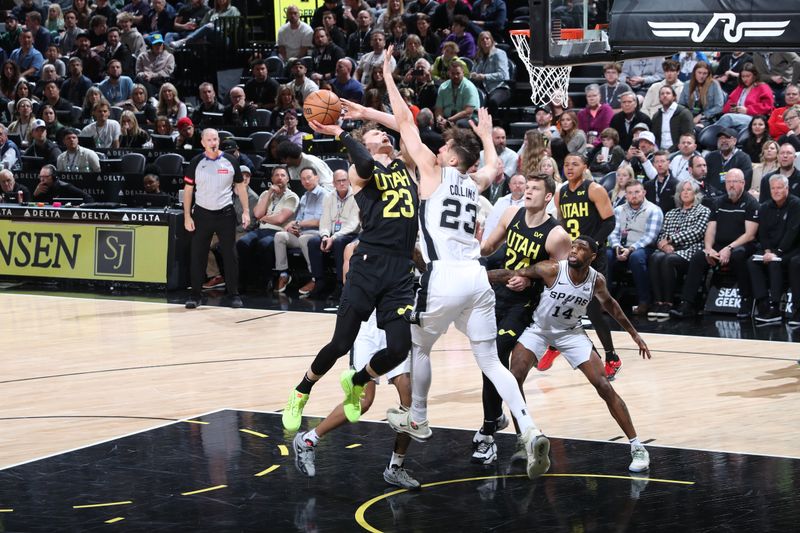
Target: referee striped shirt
(213,179)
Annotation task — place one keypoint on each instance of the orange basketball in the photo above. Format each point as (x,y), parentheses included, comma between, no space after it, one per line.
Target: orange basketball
(322,106)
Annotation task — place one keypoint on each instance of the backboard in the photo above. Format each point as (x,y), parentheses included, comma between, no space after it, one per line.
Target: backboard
(572,32)
(568,32)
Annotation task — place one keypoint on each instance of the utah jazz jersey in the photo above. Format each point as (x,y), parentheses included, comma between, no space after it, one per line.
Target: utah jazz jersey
(578,211)
(388,210)
(563,304)
(448,219)
(525,246)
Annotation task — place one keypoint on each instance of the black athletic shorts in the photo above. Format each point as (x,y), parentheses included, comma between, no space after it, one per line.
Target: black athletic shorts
(513,318)
(382,282)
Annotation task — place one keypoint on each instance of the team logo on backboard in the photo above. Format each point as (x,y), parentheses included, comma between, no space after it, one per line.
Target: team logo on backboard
(731,31)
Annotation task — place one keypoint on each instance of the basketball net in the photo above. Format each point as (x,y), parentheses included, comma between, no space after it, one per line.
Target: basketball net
(548,84)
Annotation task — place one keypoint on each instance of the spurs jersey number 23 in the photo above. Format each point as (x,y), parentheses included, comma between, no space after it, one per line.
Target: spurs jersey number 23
(562,305)
(448,219)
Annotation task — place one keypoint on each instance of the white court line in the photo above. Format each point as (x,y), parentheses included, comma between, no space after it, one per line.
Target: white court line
(48,456)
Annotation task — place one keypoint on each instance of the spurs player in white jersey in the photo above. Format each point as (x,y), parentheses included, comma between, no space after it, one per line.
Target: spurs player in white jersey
(455,288)
(569,287)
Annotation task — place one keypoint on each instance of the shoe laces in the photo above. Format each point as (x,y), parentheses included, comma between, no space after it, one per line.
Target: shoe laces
(401,474)
(639,453)
(483,447)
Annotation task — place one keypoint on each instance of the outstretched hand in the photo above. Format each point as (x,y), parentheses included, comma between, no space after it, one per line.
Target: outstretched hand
(326,129)
(484,125)
(388,55)
(352,110)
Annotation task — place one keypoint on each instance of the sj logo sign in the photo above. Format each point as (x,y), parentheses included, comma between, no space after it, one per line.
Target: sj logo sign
(114,253)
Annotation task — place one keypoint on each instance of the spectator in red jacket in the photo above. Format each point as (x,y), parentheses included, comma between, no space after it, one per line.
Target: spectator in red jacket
(750,98)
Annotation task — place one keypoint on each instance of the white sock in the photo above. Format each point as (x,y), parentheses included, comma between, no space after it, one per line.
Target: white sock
(312,437)
(420,382)
(486,355)
(397,460)
(635,442)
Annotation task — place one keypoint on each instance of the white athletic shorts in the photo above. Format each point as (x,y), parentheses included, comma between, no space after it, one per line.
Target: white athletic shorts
(454,292)
(575,345)
(371,340)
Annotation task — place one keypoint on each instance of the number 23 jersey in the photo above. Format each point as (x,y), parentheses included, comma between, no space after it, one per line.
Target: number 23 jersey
(562,305)
(388,209)
(448,219)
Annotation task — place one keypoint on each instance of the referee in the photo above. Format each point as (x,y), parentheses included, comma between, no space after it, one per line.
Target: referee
(212,174)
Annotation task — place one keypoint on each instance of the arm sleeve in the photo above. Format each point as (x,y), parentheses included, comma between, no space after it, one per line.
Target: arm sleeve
(362,159)
(604,230)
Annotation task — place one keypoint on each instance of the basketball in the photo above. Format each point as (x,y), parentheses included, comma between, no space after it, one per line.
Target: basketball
(322,106)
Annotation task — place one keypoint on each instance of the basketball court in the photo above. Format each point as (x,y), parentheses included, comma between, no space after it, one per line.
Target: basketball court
(151,417)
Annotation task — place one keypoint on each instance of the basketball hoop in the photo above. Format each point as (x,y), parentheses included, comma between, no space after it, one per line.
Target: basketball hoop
(548,84)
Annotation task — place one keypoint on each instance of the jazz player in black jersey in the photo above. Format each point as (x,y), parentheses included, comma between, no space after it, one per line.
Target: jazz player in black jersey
(381,271)
(531,235)
(585,209)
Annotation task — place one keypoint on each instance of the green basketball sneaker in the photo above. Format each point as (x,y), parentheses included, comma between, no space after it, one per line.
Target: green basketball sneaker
(352,396)
(293,412)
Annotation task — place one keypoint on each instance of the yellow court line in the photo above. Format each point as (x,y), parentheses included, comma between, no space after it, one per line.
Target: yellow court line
(268,470)
(362,509)
(196,422)
(6,510)
(109,504)
(351,446)
(606,476)
(114,520)
(256,433)
(207,489)
(284,450)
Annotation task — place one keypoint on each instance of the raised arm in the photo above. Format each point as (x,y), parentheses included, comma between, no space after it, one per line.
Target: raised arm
(355,111)
(483,129)
(419,152)
(611,306)
(363,162)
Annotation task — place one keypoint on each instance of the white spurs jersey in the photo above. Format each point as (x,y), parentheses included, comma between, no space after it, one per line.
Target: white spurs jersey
(562,305)
(448,218)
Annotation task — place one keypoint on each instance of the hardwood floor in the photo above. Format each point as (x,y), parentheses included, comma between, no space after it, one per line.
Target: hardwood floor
(78,371)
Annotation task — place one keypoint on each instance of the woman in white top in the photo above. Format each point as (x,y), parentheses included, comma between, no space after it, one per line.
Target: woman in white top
(169,105)
(769,163)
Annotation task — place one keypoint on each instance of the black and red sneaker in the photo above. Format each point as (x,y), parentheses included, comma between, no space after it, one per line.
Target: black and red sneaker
(613,368)
(546,361)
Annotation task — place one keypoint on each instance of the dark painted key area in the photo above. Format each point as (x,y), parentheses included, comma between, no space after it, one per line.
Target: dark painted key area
(234,471)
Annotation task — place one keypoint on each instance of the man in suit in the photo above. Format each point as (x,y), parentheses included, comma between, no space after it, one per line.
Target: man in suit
(671,120)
